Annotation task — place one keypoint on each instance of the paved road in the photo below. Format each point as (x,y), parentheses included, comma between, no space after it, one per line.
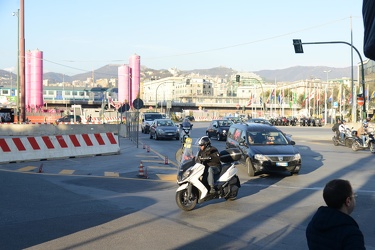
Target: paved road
(92,209)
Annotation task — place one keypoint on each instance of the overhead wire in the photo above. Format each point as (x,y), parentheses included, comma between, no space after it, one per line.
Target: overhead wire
(202,51)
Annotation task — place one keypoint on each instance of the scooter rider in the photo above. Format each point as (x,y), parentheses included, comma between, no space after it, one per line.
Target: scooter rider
(342,129)
(186,123)
(362,131)
(209,156)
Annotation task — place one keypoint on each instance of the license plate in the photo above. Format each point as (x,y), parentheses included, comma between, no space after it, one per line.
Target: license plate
(281,164)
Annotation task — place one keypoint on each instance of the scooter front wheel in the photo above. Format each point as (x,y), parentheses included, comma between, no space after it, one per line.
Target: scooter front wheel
(184,202)
(372,147)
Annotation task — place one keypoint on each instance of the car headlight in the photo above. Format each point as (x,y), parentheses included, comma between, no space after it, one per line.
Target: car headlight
(260,157)
(297,157)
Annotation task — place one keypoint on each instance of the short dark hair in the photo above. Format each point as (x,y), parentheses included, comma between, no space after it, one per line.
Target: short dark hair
(336,191)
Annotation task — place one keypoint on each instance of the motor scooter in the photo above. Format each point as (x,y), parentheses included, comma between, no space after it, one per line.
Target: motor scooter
(369,143)
(192,178)
(185,129)
(348,138)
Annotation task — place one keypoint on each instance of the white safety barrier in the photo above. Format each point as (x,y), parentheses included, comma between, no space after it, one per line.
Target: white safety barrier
(59,146)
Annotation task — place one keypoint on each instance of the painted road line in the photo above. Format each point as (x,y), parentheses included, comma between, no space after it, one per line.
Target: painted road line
(146,156)
(164,168)
(67,171)
(154,161)
(111,174)
(26,169)
(167,177)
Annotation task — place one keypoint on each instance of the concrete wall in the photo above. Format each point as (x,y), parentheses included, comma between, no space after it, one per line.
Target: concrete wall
(61,129)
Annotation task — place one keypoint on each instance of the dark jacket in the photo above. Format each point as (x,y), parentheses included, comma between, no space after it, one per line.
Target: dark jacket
(331,229)
(213,154)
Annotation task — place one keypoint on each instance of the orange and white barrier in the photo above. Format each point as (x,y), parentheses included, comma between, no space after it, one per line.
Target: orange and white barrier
(59,146)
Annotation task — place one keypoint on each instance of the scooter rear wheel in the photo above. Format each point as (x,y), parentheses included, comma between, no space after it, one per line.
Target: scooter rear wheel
(184,202)
(355,146)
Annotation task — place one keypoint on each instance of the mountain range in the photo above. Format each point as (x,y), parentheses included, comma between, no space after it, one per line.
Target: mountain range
(291,74)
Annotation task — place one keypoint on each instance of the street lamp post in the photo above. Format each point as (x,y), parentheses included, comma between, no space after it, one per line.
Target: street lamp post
(156,97)
(325,98)
(299,49)
(18,63)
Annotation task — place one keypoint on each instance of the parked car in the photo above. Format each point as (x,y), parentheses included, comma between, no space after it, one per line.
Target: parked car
(259,120)
(234,119)
(164,129)
(218,129)
(265,149)
(147,119)
(69,118)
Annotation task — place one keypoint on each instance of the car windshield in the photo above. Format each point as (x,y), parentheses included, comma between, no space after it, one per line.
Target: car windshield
(266,138)
(225,123)
(165,123)
(151,117)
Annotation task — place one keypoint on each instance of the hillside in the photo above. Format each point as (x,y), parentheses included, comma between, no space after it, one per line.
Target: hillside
(280,75)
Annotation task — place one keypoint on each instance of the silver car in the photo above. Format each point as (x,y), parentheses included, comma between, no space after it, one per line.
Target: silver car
(164,129)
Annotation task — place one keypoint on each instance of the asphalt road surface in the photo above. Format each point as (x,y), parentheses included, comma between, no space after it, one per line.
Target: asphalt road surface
(101,203)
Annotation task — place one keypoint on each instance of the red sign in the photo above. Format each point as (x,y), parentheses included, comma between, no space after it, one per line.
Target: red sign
(360,101)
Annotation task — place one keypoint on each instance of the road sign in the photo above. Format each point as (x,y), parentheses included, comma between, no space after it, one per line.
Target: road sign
(125,107)
(360,101)
(138,103)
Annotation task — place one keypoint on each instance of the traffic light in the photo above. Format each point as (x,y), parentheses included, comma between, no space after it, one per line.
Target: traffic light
(297,46)
(237,78)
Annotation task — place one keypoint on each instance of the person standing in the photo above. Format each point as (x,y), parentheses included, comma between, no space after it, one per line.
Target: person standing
(209,156)
(332,227)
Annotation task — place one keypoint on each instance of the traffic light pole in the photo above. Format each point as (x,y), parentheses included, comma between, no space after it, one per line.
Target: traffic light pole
(298,49)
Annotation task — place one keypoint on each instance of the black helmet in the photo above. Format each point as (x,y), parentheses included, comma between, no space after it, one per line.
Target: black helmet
(204,141)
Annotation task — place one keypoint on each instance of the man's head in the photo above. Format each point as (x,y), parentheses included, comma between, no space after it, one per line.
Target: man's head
(338,194)
(204,142)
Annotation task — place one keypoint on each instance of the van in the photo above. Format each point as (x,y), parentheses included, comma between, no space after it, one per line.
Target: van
(265,149)
(147,119)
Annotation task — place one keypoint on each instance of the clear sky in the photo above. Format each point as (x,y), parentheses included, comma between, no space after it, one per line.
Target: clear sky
(247,35)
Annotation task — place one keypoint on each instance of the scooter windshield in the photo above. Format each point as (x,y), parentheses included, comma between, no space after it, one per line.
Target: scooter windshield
(185,156)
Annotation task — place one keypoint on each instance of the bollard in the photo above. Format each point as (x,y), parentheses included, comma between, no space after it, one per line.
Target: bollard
(166,160)
(144,146)
(148,149)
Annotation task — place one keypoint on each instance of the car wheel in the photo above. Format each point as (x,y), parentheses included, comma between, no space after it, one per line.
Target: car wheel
(294,173)
(219,137)
(250,168)
(177,138)
(208,135)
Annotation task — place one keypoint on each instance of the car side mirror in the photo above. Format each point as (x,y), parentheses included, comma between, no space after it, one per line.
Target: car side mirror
(292,143)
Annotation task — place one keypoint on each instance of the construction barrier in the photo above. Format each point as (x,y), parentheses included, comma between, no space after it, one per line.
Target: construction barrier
(59,146)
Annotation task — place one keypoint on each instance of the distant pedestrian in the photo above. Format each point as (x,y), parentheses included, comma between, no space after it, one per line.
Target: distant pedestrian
(332,227)
(89,118)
